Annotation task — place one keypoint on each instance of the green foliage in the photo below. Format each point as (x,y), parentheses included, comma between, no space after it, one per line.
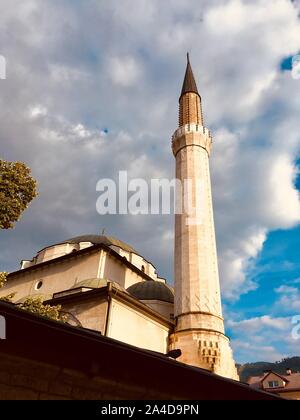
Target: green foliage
(17,190)
(36,306)
(8,298)
(3,277)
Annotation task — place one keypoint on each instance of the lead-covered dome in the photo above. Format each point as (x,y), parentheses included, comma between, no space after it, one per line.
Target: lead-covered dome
(152,290)
(100,239)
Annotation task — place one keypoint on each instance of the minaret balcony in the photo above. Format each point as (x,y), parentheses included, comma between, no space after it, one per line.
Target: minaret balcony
(191,135)
(191,128)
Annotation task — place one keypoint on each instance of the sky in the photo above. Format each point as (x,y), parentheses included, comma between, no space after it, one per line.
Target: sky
(92,88)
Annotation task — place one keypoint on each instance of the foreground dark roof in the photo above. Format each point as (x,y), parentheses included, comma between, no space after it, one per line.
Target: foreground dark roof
(58,344)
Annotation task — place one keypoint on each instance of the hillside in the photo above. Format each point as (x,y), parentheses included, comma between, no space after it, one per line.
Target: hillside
(258,368)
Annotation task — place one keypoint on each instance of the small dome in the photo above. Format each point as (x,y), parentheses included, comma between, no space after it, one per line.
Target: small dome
(97,284)
(152,290)
(91,283)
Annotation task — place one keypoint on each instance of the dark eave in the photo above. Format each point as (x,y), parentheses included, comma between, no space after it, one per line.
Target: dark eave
(41,340)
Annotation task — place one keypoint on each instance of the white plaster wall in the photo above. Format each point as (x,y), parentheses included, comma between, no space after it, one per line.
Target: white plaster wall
(56,277)
(63,275)
(165,309)
(196,270)
(130,326)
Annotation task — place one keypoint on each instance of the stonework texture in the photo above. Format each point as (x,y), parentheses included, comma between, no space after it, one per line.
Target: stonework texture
(199,331)
(23,379)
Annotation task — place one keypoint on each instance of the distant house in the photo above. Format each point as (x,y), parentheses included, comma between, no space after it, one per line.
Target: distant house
(287,385)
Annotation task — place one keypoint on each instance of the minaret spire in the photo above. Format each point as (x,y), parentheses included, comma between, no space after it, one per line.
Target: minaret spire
(190,108)
(199,326)
(189,83)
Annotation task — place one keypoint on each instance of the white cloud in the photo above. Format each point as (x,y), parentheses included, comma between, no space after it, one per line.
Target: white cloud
(286,289)
(38,111)
(81,131)
(289,301)
(65,74)
(263,338)
(250,352)
(258,323)
(124,71)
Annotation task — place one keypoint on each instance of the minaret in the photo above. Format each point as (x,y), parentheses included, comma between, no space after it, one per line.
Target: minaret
(199,330)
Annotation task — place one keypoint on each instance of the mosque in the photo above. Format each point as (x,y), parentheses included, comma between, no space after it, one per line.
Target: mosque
(105,285)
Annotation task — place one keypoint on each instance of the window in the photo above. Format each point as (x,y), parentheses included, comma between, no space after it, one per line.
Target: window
(143,268)
(38,285)
(273,384)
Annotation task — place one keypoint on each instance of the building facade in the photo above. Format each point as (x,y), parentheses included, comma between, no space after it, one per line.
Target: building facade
(102,284)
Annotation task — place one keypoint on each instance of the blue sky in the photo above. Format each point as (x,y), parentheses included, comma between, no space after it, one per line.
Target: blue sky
(92,88)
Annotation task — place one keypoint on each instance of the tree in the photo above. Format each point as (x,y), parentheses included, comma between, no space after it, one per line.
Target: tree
(3,277)
(36,306)
(17,190)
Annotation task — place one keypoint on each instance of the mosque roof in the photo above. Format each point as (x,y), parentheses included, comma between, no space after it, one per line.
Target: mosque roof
(100,239)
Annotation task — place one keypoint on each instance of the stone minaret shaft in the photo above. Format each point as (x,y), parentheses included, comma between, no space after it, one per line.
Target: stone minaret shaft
(199,330)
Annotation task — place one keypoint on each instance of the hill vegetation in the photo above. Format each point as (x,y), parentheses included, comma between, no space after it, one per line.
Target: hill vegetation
(258,368)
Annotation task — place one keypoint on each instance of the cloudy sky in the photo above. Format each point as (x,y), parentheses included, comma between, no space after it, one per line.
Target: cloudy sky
(92,88)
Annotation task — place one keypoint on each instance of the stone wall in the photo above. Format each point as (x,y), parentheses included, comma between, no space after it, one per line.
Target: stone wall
(22,379)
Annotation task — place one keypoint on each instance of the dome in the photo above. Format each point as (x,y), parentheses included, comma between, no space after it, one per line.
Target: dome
(97,284)
(100,239)
(152,290)
(91,283)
